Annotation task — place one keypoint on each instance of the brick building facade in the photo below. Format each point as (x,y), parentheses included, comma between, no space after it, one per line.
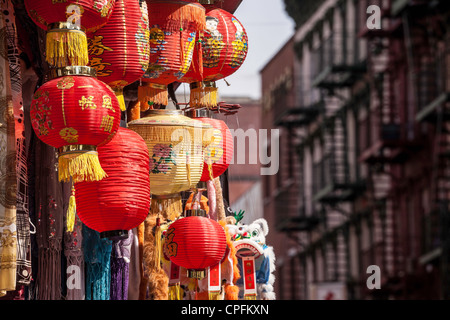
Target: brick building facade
(363,179)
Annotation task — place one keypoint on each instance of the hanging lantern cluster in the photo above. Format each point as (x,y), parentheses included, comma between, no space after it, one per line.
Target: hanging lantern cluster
(173,29)
(121,201)
(218,152)
(222,49)
(67,23)
(134,177)
(76,113)
(119,51)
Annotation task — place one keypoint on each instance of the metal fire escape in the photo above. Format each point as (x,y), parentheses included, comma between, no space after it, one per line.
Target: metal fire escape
(434,109)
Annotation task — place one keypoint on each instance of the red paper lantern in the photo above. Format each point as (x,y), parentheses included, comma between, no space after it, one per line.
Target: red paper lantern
(75,113)
(120,50)
(224,47)
(195,243)
(219,153)
(66,23)
(173,29)
(121,201)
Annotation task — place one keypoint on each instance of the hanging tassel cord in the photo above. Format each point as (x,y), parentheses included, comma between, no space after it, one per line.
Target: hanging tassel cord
(71,211)
(66,47)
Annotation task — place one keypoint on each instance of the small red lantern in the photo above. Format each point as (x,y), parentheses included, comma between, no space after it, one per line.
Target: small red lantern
(219,153)
(173,29)
(66,23)
(121,201)
(119,51)
(224,47)
(195,243)
(75,113)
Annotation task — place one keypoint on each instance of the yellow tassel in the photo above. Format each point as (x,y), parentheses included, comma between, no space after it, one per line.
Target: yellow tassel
(150,94)
(192,285)
(158,250)
(203,97)
(71,211)
(250,297)
(119,95)
(80,167)
(175,292)
(66,47)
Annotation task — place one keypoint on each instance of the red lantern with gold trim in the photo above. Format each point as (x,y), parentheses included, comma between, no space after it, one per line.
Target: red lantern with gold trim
(195,243)
(76,113)
(120,50)
(218,154)
(121,201)
(173,29)
(66,23)
(224,47)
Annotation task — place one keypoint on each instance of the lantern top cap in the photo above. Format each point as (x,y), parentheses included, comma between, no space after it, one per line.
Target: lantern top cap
(198,113)
(72,71)
(203,84)
(195,212)
(76,148)
(64,25)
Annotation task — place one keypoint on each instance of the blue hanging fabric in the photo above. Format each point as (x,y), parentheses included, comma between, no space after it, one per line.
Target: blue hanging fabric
(97,256)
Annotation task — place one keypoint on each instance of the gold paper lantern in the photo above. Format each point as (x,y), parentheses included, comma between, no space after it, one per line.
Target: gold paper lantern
(175,145)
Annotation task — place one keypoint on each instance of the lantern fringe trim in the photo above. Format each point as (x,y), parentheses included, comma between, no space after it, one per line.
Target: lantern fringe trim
(203,97)
(168,207)
(71,211)
(119,95)
(175,15)
(66,47)
(214,295)
(80,167)
(150,94)
(175,292)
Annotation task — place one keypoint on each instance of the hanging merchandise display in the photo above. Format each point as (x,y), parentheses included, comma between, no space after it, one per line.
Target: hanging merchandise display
(173,29)
(223,50)
(67,23)
(195,243)
(218,154)
(120,195)
(120,201)
(75,113)
(119,51)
